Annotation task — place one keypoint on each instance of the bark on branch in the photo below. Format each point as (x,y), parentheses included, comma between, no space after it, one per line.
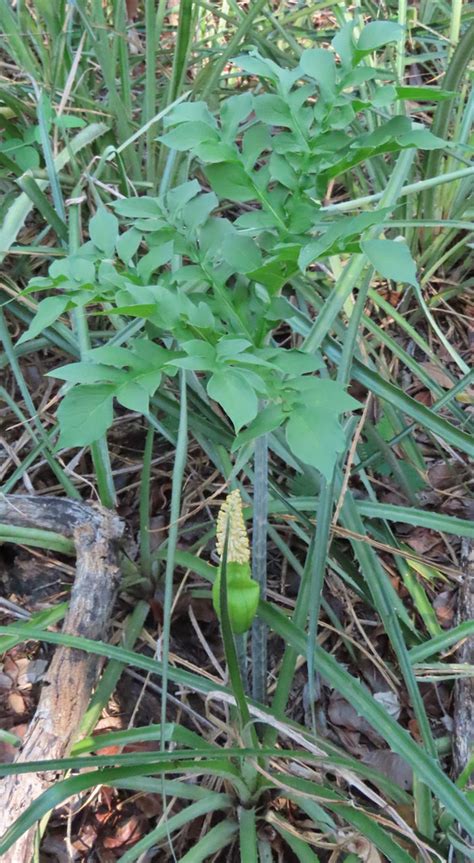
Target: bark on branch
(72,674)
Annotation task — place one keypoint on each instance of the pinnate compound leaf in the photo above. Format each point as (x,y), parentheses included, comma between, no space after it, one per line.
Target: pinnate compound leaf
(230,388)
(85,414)
(392,259)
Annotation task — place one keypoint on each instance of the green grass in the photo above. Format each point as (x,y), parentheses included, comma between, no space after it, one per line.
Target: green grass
(84,124)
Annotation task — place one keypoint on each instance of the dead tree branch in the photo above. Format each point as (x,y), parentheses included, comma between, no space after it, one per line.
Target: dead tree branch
(72,674)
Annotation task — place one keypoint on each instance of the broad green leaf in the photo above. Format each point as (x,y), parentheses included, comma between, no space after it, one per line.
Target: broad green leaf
(49,310)
(267,420)
(199,348)
(231,389)
(384,96)
(272,110)
(315,436)
(255,220)
(241,253)
(346,227)
(421,138)
(254,64)
(196,363)
(343,44)
(156,257)
(216,151)
(103,231)
(392,260)
(293,362)
(82,270)
(319,64)
(133,208)
(384,133)
(313,431)
(188,112)
(254,142)
(212,236)
(67,121)
(179,197)
(127,244)
(85,414)
(281,170)
(229,180)
(324,394)
(378,33)
(198,210)
(27,158)
(234,111)
(133,397)
(114,356)
(86,373)
(188,135)
(230,348)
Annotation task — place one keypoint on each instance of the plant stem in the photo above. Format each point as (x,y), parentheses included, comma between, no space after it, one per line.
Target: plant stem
(177,480)
(259,566)
(145,490)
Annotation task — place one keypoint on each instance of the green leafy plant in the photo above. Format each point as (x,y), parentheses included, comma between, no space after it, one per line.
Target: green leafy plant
(210,289)
(221,281)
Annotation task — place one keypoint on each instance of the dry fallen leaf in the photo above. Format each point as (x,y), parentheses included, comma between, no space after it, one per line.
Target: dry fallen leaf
(438,375)
(391,765)
(364,849)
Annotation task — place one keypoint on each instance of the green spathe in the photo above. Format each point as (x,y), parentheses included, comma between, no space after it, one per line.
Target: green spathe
(242,596)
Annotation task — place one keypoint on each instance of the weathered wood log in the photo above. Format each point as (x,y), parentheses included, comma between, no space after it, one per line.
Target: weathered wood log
(72,675)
